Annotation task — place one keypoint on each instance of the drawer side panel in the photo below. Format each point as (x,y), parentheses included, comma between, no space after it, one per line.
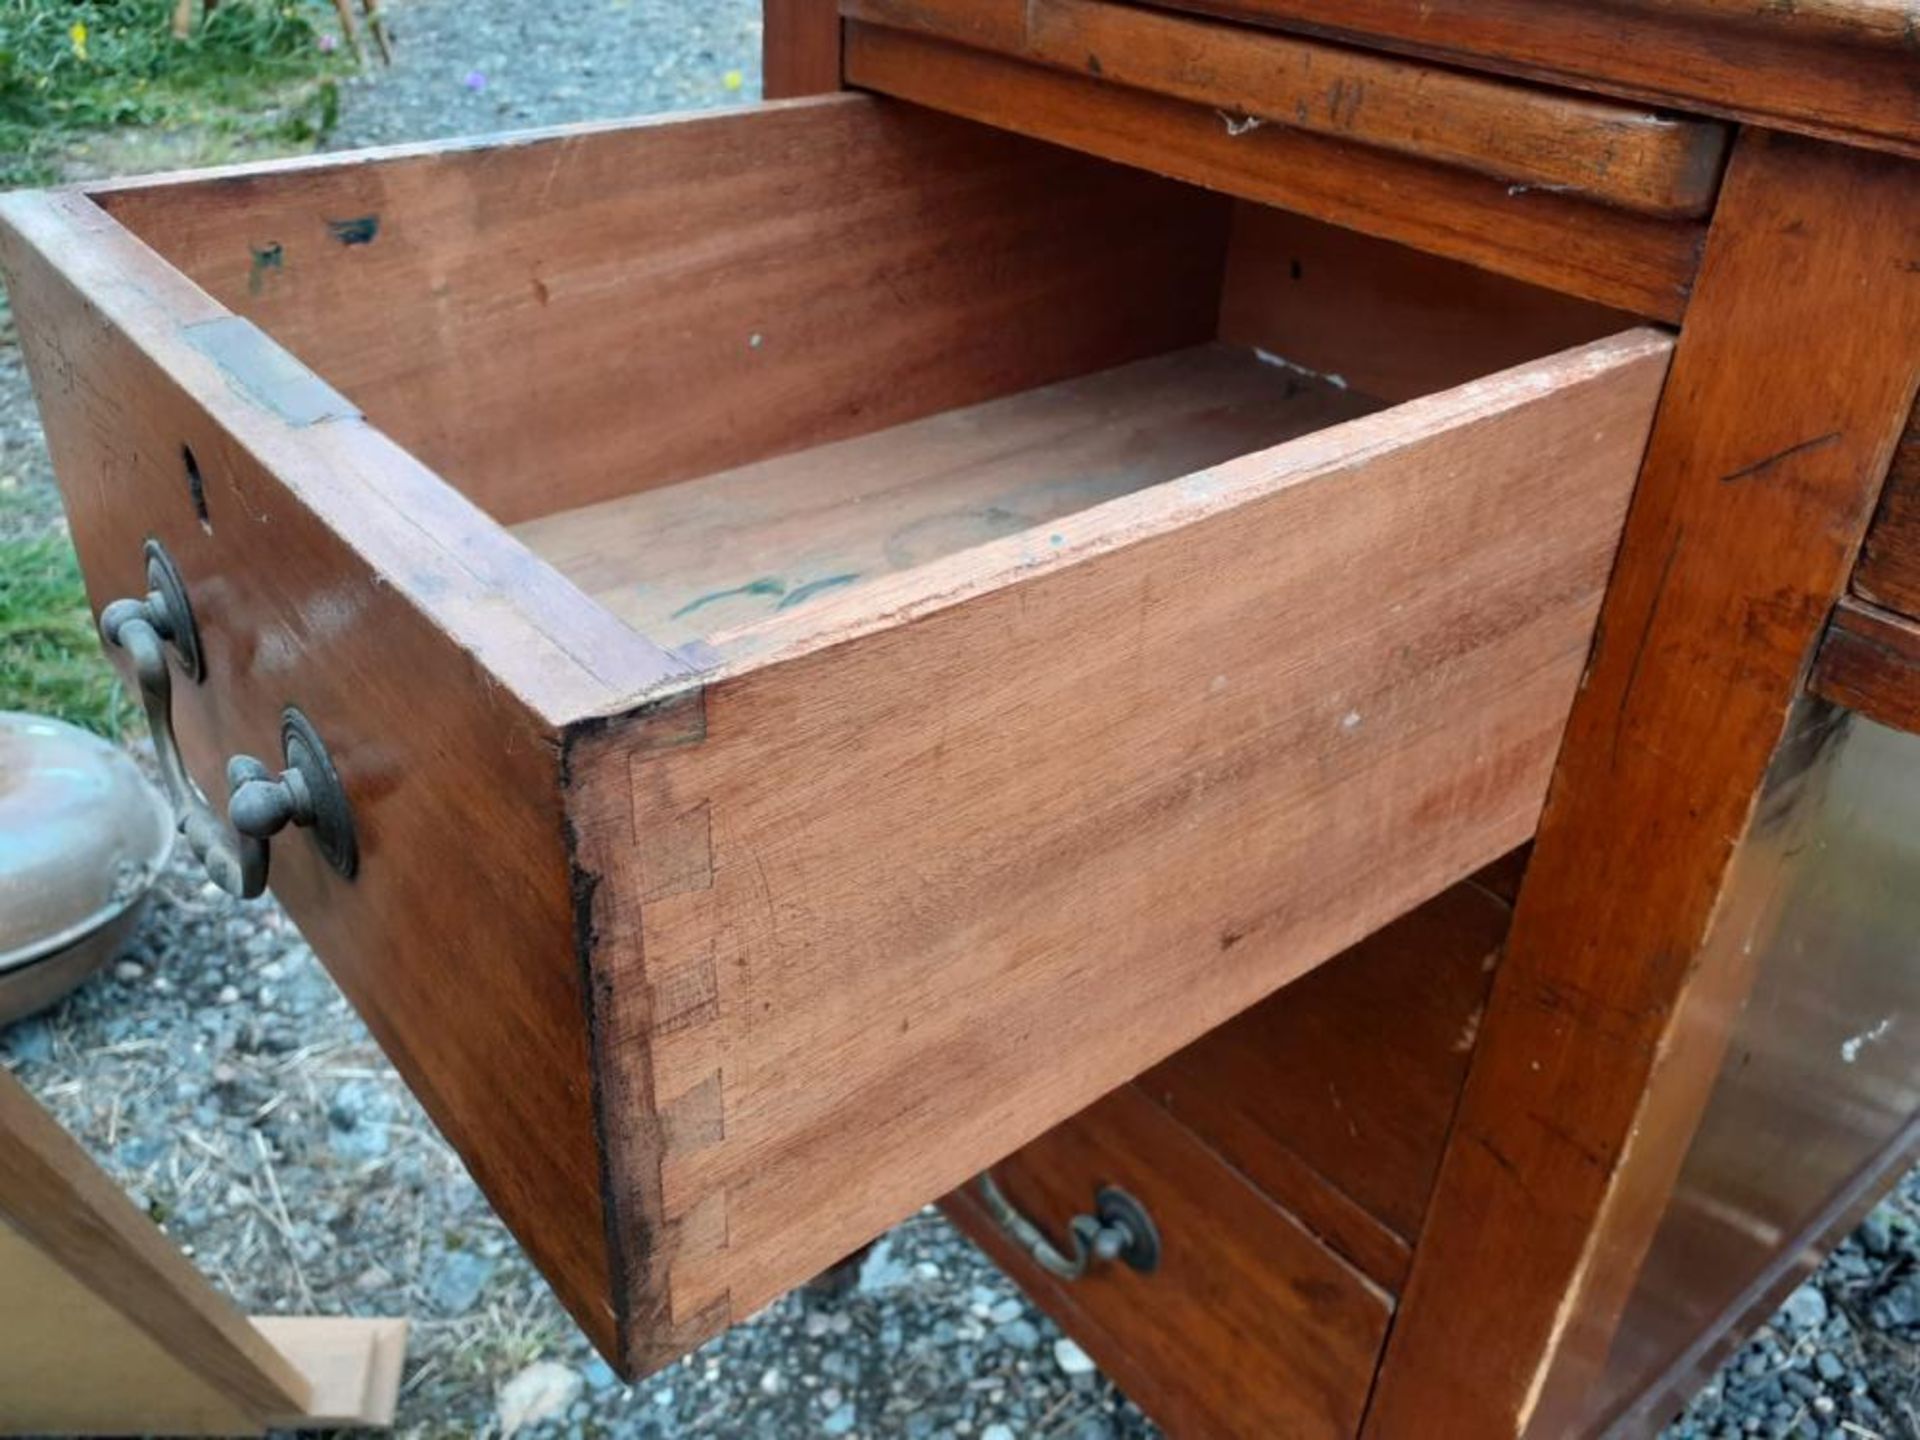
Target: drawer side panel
(885,910)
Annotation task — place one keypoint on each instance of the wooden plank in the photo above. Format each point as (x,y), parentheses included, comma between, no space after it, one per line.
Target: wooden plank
(1889,571)
(105,1328)
(352,1367)
(1794,67)
(1389,321)
(770,279)
(1354,1069)
(841,894)
(713,555)
(799,48)
(1589,1076)
(1870,662)
(1616,154)
(1242,1290)
(1631,262)
(435,655)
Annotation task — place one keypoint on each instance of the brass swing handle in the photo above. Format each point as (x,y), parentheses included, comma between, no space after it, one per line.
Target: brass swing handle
(260,804)
(1118,1229)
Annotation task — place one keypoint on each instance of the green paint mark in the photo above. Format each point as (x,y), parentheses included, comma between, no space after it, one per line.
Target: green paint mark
(802,593)
(265,258)
(752,587)
(358,231)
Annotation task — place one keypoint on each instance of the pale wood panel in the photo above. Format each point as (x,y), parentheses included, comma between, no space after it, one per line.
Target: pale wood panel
(71,1364)
(1619,154)
(689,561)
(561,318)
(76,1258)
(980,850)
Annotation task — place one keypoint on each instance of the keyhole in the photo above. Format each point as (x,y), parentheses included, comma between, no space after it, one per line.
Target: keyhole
(196,488)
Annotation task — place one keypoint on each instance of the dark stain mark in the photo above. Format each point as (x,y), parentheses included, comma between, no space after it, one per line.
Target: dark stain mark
(540,291)
(1094,67)
(265,257)
(802,593)
(1640,645)
(1231,938)
(752,587)
(1294,269)
(360,230)
(1747,472)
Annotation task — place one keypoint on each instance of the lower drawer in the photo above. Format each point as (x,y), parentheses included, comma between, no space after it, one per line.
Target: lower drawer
(1247,1325)
(833,653)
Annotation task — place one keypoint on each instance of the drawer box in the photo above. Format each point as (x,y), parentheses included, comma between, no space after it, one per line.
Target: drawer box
(835,656)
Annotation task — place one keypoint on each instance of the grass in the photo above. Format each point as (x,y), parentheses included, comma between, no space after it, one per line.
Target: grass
(253,74)
(50,660)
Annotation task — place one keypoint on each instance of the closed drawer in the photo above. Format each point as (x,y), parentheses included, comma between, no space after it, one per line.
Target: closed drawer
(835,653)
(1246,1325)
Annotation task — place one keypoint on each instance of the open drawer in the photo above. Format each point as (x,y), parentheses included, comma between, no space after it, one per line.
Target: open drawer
(843,634)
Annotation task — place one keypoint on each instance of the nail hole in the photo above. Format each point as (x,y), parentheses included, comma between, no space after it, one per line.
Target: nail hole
(196,488)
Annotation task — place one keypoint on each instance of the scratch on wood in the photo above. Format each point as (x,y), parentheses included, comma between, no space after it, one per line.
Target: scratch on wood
(1747,472)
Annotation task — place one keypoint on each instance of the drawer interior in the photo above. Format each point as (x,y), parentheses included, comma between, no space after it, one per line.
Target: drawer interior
(730,373)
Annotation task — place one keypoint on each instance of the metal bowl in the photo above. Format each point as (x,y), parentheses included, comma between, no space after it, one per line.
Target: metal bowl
(83,836)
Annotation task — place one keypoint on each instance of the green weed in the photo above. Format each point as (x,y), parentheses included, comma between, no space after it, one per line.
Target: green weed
(252,71)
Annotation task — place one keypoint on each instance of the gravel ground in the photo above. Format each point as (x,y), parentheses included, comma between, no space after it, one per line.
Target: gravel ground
(218,1074)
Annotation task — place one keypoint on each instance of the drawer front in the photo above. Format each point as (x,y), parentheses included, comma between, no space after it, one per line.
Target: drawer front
(327,570)
(1247,1326)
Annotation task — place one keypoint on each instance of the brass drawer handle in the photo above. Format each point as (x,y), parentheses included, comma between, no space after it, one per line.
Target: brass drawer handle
(1118,1229)
(260,804)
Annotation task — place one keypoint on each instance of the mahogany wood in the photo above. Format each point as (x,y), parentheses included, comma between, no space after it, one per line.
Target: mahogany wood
(1599,1046)
(1889,570)
(1242,1289)
(716,554)
(1843,70)
(1870,662)
(1528,137)
(770,279)
(1353,1071)
(1816,1108)
(436,657)
(1384,319)
(799,48)
(1632,262)
(808,974)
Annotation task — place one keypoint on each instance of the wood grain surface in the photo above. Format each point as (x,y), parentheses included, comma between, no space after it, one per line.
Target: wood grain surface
(104,1326)
(799,48)
(770,279)
(1629,261)
(1390,321)
(1353,1071)
(1528,137)
(436,656)
(1889,571)
(1841,69)
(1870,661)
(1589,1076)
(717,554)
(1246,717)
(1242,1289)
